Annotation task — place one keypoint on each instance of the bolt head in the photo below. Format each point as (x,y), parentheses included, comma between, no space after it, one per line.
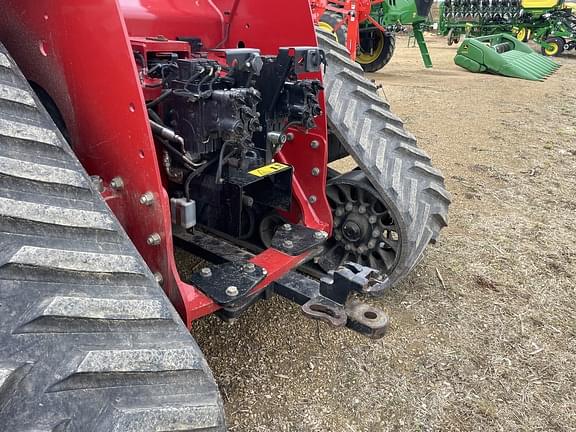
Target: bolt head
(372,219)
(338,236)
(349,207)
(153,239)
(205,272)
(288,244)
(314,144)
(289,136)
(376,233)
(159,278)
(117,183)
(232,291)
(287,227)
(362,209)
(315,171)
(362,249)
(249,267)
(348,247)
(312,199)
(339,212)
(320,235)
(147,199)
(372,243)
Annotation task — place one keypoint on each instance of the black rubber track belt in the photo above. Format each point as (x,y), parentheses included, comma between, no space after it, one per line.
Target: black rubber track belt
(88,340)
(376,139)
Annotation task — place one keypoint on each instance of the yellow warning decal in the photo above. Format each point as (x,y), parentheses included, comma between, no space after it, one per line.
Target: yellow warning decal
(268,169)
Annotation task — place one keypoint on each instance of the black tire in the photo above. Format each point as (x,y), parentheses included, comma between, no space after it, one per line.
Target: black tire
(328,22)
(377,62)
(558,44)
(402,173)
(88,340)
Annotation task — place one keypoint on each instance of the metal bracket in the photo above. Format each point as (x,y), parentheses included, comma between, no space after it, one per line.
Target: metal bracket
(328,300)
(294,240)
(229,282)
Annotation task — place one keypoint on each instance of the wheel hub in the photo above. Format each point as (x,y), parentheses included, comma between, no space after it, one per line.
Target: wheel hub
(364,229)
(351,231)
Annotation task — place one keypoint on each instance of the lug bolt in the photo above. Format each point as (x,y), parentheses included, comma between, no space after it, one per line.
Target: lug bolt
(147,199)
(320,235)
(117,183)
(376,233)
(362,209)
(314,144)
(159,278)
(372,219)
(349,207)
(153,239)
(249,267)
(205,272)
(288,244)
(232,291)
(287,227)
(312,199)
(315,171)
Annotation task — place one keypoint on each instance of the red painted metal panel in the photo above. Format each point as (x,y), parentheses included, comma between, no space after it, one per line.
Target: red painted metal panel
(79,52)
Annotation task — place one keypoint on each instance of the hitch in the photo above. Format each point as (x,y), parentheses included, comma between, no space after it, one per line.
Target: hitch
(329,300)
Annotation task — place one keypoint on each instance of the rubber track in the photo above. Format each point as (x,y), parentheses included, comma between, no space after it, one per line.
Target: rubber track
(88,340)
(376,139)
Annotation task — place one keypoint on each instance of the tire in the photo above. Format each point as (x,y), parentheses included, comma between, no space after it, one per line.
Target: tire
(385,45)
(523,34)
(556,49)
(401,173)
(328,22)
(450,37)
(88,340)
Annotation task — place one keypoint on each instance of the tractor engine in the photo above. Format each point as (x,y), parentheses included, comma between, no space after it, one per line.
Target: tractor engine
(219,118)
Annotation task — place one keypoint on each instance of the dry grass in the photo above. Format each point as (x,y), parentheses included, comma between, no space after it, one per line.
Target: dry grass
(483,334)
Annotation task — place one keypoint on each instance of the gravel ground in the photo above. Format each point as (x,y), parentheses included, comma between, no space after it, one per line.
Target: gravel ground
(483,333)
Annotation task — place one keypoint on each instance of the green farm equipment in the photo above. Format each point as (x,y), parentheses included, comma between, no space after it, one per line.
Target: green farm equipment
(547,22)
(503,54)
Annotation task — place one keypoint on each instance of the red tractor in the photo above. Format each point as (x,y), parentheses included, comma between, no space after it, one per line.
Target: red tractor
(130,127)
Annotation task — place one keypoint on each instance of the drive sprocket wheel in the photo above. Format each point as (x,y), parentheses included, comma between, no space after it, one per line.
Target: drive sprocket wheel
(365,229)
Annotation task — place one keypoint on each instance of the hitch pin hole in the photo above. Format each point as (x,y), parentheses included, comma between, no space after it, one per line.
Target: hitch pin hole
(323,309)
(371,315)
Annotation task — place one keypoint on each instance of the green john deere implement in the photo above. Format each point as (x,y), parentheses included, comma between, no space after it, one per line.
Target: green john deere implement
(503,54)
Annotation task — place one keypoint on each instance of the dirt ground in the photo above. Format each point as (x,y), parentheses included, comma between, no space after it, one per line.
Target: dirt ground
(483,333)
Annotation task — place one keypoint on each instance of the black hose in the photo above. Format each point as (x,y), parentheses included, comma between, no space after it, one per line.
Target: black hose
(195,174)
(159,99)
(221,161)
